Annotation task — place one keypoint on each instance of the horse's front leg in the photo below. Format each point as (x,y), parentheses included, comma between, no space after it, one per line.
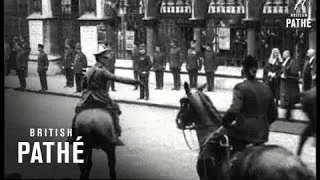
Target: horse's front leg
(111,153)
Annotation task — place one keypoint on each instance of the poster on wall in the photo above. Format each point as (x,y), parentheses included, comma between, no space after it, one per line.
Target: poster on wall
(129,40)
(36,35)
(89,42)
(224,38)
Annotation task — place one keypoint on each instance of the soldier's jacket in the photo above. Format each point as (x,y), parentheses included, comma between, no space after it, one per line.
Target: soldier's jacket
(43,62)
(80,60)
(253,110)
(193,59)
(135,60)
(209,61)
(109,60)
(145,64)
(68,60)
(159,61)
(175,58)
(94,85)
(22,59)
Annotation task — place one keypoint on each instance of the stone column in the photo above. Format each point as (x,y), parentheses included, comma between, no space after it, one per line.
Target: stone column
(43,29)
(252,26)
(151,25)
(197,25)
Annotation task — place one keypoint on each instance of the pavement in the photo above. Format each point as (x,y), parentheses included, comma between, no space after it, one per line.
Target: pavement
(166,98)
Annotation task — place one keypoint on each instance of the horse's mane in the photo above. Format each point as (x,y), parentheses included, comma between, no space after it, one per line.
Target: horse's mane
(205,108)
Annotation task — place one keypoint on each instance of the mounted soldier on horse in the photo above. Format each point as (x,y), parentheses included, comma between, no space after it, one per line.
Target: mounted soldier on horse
(226,143)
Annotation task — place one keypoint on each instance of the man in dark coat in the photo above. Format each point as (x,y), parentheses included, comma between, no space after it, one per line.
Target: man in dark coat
(145,65)
(193,64)
(253,110)
(175,62)
(43,64)
(159,65)
(309,71)
(22,66)
(95,94)
(68,65)
(135,60)
(210,66)
(289,85)
(109,59)
(80,60)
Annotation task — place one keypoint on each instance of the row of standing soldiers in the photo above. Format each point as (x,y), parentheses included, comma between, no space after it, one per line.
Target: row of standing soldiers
(194,61)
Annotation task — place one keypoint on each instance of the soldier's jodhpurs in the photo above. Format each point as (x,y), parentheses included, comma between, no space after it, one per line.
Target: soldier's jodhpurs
(176,77)
(69,76)
(193,78)
(136,76)
(210,80)
(22,78)
(159,79)
(144,89)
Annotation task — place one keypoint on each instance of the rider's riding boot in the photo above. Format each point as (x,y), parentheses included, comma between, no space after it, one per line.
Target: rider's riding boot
(72,138)
(117,128)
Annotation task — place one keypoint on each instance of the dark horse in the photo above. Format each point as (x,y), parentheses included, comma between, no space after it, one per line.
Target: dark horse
(97,131)
(214,161)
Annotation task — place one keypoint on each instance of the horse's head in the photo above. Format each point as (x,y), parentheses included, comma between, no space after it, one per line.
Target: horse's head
(196,108)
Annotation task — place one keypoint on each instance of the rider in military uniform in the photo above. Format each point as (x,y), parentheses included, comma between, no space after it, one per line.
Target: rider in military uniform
(95,94)
(253,110)
(175,62)
(193,64)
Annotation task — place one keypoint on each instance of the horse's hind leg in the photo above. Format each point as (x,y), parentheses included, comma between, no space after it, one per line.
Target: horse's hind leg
(111,153)
(85,167)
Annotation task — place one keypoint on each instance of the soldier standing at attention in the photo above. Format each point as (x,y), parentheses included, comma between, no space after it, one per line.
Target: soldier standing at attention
(193,64)
(68,65)
(135,60)
(80,62)
(109,59)
(145,65)
(21,66)
(159,65)
(43,64)
(210,66)
(175,62)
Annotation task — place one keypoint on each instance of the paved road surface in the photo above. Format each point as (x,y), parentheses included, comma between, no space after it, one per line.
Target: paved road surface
(154,149)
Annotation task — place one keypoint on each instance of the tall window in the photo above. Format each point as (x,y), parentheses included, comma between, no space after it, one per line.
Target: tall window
(66,6)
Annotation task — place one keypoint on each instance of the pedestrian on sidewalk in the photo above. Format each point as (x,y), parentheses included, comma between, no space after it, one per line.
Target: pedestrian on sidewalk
(210,66)
(43,64)
(80,60)
(193,64)
(272,71)
(108,57)
(309,71)
(175,62)
(145,65)
(68,65)
(22,65)
(135,62)
(159,65)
